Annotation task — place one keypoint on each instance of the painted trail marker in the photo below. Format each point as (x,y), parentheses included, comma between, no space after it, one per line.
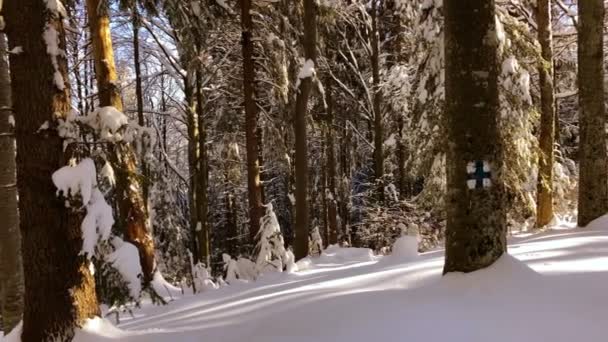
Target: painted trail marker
(479,174)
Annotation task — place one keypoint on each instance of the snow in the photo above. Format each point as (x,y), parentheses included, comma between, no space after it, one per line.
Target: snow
(16,50)
(107,121)
(51,38)
(97,224)
(551,287)
(126,260)
(80,179)
(306,71)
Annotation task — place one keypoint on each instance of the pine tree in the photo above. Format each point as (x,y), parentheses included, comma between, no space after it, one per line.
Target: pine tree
(593,168)
(11,269)
(59,287)
(251,117)
(544,211)
(305,80)
(476,217)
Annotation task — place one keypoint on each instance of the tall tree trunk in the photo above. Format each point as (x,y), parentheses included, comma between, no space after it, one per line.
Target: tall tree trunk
(139,94)
(593,168)
(332,209)
(132,208)
(476,216)
(202,233)
(301,155)
(11,269)
(254,187)
(192,160)
(59,288)
(377,101)
(544,202)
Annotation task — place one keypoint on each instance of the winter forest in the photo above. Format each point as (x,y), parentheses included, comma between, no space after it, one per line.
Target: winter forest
(297,170)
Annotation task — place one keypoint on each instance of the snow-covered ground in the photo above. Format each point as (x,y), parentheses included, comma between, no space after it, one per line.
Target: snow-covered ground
(551,287)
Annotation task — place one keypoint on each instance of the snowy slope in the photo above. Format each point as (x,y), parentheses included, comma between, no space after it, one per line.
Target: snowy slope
(558,293)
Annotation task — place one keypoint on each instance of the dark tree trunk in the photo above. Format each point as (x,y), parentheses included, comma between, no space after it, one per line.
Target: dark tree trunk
(59,288)
(476,216)
(377,102)
(301,155)
(544,202)
(332,205)
(254,187)
(192,161)
(11,269)
(202,228)
(139,96)
(593,168)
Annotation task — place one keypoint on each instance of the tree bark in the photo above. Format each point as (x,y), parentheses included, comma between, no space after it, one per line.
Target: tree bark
(103,54)
(544,201)
(139,94)
(593,167)
(202,233)
(332,209)
(132,207)
(476,217)
(59,288)
(11,268)
(301,153)
(254,187)
(192,161)
(377,102)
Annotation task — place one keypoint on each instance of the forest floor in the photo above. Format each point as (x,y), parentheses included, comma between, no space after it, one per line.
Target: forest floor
(551,287)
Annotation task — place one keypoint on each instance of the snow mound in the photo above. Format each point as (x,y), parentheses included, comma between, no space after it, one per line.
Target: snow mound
(600,223)
(97,327)
(335,254)
(506,274)
(406,247)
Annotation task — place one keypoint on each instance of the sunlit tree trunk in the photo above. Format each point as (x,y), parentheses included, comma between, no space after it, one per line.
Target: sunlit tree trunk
(593,167)
(133,215)
(59,288)
(476,216)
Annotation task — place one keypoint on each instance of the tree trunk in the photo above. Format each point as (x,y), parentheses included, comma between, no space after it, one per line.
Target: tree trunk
(476,216)
(254,187)
(103,54)
(332,210)
(59,288)
(11,268)
(139,95)
(301,155)
(192,161)
(202,232)
(132,207)
(593,168)
(544,202)
(377,102)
